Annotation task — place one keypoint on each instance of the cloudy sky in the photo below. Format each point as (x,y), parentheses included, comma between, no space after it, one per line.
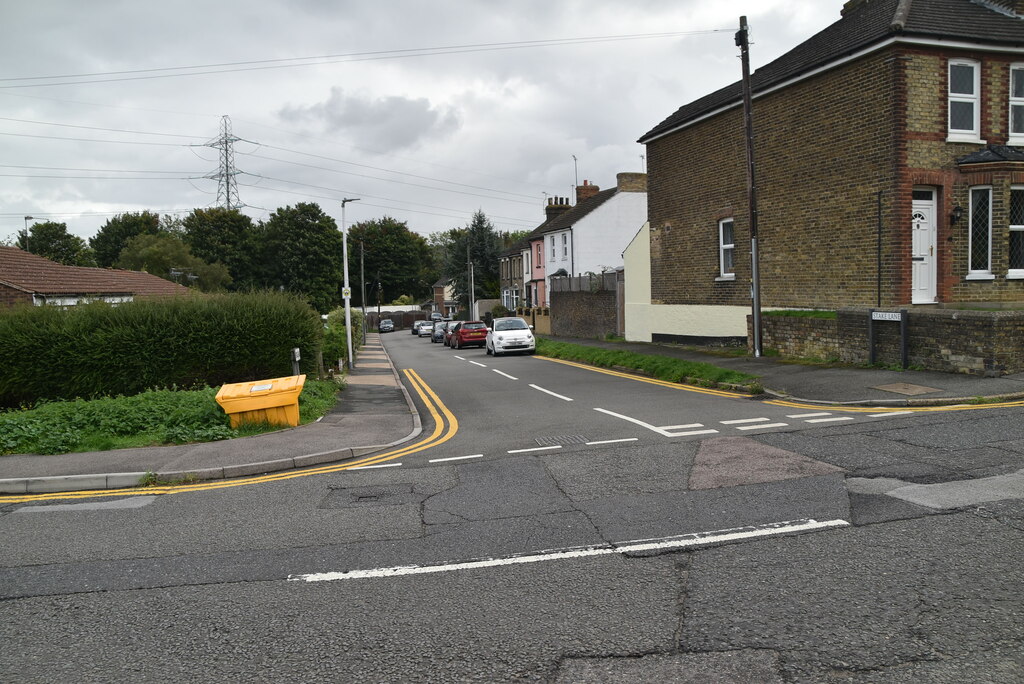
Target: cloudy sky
(425,110)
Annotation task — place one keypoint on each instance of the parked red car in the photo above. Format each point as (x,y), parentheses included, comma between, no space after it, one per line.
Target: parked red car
(469,334)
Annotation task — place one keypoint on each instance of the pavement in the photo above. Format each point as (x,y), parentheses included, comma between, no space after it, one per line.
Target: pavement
(375,412)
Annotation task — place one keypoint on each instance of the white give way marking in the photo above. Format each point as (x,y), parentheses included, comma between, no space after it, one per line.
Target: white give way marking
(665,430)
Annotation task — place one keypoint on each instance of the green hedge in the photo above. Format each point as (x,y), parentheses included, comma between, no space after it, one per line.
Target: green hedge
(101,350)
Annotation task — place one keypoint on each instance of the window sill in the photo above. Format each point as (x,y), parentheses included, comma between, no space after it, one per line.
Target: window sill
(979,276)
(1015,275)
(725,278)
(964,138)
(1015,140)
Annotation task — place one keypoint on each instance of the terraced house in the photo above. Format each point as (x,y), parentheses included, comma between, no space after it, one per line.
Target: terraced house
(890,168)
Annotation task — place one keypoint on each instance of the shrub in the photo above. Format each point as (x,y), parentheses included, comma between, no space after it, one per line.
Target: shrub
(101,350)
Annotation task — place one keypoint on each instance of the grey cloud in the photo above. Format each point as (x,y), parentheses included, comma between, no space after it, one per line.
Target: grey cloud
(385,124)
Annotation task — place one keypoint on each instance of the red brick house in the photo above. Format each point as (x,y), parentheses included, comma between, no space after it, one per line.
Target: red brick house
(890,167)
(30,279)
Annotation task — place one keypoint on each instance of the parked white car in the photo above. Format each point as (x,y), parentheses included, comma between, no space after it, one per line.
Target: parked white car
(509,335)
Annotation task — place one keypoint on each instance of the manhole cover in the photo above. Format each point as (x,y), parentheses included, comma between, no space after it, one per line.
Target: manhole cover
(561,439)
(371,495)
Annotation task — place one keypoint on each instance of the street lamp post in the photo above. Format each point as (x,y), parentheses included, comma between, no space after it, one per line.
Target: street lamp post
(362,287)
(346,291)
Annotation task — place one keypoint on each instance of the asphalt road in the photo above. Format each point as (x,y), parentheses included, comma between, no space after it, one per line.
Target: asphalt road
(669,536)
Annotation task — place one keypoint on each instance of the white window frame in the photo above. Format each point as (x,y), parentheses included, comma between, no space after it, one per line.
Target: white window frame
(724,247)
(565,246)
(1016,137)
(1014,273)
(974,99)
(979,274)
(552,247)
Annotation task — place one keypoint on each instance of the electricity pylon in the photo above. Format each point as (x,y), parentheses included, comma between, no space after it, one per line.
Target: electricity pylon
(227,185)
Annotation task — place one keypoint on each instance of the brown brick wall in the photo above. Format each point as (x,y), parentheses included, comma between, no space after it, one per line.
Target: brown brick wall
(833,153)
(583,314)
(10,297)
(817,195)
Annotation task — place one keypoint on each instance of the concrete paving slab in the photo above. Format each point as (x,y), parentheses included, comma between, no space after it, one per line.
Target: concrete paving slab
(950,495)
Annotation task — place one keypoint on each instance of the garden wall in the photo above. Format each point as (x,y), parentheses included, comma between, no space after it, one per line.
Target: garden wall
(985,343)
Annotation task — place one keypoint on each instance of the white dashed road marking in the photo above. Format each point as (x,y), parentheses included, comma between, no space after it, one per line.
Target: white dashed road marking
(523,451)
(505,374)
(478,364)
(563,398)
(807,415)
(762,426)
(380,465)
(743,420)
(891,413)
(829,420)
(613,441)
(454,458)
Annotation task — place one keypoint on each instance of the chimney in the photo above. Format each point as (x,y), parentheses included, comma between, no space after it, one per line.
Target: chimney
(631,182)
(556,206)
(852,5)
(1015,7)
(586,191)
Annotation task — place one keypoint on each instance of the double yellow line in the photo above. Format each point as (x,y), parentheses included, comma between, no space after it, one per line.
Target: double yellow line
(445,427)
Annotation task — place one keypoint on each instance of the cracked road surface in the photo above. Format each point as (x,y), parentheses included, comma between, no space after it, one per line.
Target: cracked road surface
(908,586)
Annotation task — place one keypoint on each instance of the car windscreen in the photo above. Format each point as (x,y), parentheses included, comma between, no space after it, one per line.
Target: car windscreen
(473,326)
(511,325)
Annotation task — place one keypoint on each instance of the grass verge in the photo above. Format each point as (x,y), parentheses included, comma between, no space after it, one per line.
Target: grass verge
(153,418)
(655,366)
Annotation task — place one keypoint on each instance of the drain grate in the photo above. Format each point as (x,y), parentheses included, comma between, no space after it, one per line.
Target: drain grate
(561,439)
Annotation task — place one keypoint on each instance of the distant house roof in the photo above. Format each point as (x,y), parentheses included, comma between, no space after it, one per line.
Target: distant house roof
(563,220)
(865,24)
(38,276)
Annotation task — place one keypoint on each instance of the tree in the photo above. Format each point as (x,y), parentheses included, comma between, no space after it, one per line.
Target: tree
(166,256)
(398,261)
(478,242)
(300,249)
(53,241)
(224,235)
(117,231)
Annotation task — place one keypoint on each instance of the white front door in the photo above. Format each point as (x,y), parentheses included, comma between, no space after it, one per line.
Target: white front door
(922,256)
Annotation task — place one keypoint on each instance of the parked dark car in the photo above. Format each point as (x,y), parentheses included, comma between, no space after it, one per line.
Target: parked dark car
(449,328)
(437,335)
(469,334)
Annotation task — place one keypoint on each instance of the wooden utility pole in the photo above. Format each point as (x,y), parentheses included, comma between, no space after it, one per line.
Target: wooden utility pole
(742,40)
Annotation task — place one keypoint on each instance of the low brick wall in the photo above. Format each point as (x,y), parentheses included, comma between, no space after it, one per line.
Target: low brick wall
(986,343)
(805,338)
(583,314)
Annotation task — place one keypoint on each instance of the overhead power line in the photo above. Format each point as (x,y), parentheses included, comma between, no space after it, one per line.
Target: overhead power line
(287,63)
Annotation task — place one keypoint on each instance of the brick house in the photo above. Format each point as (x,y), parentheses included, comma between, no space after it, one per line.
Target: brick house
(890,172)
(29,279)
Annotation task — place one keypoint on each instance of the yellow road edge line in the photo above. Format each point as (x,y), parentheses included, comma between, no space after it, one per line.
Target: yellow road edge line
(650,381)
(444,429)
(892,409)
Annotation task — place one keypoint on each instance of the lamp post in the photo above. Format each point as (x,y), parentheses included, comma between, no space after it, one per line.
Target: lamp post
(347,291)
(362,286)
(27,219)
